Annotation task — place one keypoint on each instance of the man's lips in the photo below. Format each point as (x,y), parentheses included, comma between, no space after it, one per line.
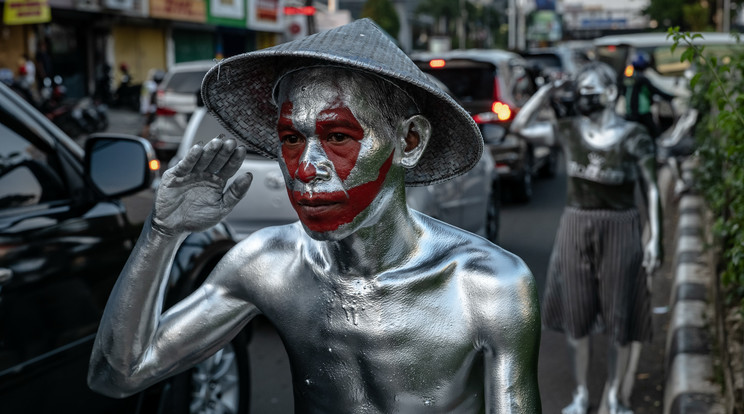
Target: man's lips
(327,211)
(319,199)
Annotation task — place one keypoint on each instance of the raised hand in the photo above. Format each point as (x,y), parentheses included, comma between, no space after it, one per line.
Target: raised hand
(192,196)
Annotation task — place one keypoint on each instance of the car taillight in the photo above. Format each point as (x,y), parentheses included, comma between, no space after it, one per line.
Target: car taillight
(629,71)
(500,112)
(164,111)
(437,63)
(503,111)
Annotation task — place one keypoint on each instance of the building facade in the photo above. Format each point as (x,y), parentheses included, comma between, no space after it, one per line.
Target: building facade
(85,38)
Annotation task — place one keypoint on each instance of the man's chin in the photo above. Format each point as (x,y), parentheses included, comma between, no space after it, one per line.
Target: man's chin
(340,233)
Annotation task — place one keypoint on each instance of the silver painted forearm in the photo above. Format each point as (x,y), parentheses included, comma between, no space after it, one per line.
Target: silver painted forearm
(526,114)
(137,344)
(131,317)
(653,247)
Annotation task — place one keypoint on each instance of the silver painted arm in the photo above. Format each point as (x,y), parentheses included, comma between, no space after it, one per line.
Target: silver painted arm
(653,251)
(136,345)
(525,123)
(512,348)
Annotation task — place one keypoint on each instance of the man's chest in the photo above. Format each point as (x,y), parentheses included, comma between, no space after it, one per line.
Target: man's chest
(377,326)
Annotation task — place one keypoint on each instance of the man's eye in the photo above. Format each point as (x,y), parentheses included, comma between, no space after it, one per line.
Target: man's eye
(291,139)
(337,137)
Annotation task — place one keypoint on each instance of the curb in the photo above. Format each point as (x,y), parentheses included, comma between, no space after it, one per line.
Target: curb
(689,363)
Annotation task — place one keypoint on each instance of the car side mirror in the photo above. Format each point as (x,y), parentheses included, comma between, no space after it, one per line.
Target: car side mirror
(119,164)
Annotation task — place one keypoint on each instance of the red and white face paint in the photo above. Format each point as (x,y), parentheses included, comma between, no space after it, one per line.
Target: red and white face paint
(334,166)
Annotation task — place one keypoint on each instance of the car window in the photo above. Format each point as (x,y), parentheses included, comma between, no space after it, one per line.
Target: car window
(29,174)
(545,60)
(466,80)
(615,56)
(185,82)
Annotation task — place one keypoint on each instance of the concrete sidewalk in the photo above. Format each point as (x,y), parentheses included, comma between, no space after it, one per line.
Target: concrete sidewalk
(689,364)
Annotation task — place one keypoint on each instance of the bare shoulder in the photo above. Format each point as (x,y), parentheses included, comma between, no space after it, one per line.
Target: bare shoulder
(260,263)
(480,261)
(501,289)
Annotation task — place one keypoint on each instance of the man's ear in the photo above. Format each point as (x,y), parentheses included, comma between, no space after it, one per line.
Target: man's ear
(414,134)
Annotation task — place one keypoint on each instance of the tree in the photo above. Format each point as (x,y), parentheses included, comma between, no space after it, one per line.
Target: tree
(383,13)
(444,13)
(686,14)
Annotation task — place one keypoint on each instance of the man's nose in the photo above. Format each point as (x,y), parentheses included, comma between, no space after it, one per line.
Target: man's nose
(313,165)
(307,172)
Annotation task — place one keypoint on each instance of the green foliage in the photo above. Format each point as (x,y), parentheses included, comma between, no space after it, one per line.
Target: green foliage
(383,13)
(717,93)
(689,14)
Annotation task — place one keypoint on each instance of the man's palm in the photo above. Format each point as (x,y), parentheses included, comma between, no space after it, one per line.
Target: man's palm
(192,196)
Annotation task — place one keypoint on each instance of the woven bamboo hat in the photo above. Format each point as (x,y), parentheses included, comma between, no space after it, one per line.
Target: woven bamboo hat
(239,92)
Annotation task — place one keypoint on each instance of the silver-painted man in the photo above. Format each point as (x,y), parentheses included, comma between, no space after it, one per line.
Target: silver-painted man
(597,272)
(381,309)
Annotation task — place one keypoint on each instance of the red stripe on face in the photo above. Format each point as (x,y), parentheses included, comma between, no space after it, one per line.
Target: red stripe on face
(291,153)
(306,172)
(333,124)
(322,212)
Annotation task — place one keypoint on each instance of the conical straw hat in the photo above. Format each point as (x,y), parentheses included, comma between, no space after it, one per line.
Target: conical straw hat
(239,92)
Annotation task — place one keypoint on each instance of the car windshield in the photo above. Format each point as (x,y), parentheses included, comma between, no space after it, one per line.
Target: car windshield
(544,60)
(185,82)
(467,80)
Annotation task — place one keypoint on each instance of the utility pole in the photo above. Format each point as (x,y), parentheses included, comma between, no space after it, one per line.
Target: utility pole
(512,24)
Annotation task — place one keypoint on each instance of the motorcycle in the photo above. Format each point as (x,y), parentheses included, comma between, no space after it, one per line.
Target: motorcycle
(75,117)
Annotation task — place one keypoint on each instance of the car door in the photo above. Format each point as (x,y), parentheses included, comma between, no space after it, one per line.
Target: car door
(60,254)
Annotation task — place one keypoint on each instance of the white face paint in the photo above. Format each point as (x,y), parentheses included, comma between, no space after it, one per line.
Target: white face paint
(335,165)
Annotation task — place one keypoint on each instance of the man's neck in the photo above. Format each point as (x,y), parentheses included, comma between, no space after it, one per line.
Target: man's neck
(387,243)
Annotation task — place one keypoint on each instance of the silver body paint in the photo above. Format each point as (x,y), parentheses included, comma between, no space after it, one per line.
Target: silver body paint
(394,312)
(602,129)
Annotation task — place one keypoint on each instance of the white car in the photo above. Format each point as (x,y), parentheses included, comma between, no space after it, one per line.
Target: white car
(468,201)
(176,100)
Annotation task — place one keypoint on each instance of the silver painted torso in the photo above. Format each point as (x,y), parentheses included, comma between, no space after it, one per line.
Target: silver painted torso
(356,341)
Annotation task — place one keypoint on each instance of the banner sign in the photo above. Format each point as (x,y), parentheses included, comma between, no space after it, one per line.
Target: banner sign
(26,12)
(186,10)
(267,15)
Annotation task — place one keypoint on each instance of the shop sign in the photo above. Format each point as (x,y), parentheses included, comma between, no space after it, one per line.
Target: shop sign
(186,10)
(266,15)
(227,12)
(26,12)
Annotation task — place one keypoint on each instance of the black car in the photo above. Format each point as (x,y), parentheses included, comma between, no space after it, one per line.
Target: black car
(68,220)
(492,85)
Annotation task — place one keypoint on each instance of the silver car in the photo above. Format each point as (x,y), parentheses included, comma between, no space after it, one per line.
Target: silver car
(176,101)
(467,201)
